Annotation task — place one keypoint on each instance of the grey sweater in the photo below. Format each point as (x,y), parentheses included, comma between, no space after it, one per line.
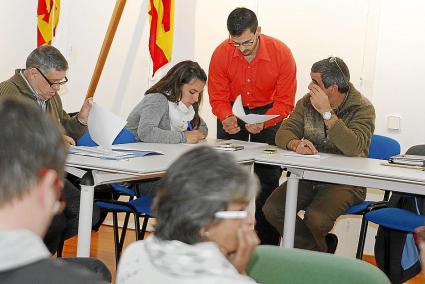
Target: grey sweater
(150,122)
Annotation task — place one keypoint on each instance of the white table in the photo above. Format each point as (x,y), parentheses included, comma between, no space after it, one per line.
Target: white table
(111,171)
(342,170)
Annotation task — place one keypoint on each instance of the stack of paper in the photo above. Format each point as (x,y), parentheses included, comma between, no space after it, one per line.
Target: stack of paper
(411,160)
(226,146)
(110,154)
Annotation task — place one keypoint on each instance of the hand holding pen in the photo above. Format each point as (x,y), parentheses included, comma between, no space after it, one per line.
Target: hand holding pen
(193,136)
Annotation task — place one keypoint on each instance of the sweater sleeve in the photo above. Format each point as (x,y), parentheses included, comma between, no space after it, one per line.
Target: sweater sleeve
(353,138)
(292,127)
(153,111)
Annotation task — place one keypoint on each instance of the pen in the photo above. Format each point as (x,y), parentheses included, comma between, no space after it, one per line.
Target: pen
(189,126)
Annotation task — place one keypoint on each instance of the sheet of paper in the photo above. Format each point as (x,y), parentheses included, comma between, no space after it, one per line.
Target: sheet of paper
(294,154)
(251,118)
(104,126)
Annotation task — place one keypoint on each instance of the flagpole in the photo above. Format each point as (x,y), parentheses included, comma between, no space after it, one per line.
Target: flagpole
(107,42)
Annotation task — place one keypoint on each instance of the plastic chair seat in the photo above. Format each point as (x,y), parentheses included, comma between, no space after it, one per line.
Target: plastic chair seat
(358,208)
(123,190)
(396,219)
(141,205)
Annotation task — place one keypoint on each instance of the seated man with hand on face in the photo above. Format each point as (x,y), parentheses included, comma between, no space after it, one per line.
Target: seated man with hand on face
(40,82)
(32,157)
(332,118)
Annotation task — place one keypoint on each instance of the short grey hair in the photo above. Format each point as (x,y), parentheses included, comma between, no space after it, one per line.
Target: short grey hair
(333,70)
(30,141)
(200,183)
(46,58)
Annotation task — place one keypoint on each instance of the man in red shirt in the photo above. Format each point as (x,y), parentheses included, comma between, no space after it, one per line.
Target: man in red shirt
(262,70)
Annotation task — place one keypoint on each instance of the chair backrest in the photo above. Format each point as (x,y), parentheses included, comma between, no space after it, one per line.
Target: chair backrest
(271,264)
(416,150)
(383,147)
(124,137)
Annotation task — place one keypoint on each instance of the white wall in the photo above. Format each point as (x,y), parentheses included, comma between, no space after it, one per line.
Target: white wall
(381,41)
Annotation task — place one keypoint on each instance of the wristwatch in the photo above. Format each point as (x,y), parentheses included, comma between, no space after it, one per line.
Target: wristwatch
(327,115)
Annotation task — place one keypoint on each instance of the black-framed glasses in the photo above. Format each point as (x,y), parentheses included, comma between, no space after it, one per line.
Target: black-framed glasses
(245,43)
(52,84)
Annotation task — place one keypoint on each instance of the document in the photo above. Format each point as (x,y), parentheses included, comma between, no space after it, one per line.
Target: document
(251,118)
(104,126)
(411,160)
(295,154)
(110,154)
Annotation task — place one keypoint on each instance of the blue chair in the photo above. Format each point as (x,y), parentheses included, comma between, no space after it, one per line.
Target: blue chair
(139,207)
(382,148)
(397,218)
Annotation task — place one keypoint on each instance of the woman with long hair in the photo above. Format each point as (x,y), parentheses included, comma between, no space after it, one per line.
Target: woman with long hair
(169,112)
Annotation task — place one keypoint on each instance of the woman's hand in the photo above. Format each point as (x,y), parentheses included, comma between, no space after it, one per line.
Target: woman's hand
(247,241)
(194,136)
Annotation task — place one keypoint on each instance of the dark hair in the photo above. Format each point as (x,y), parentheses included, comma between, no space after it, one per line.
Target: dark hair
(172,83)
(47,57)
(30,141)
(200,183)
(333,70)
(240,20)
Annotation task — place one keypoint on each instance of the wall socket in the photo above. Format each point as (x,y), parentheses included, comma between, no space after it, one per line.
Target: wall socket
(394,122)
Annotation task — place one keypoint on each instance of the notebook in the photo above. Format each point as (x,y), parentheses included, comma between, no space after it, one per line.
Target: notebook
(410,160)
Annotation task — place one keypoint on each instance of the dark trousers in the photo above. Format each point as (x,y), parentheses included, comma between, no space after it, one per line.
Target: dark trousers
(269,175)
(65,224)
(323,203)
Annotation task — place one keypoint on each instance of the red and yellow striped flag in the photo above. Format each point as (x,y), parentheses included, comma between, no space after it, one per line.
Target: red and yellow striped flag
(161,32)
(47,20)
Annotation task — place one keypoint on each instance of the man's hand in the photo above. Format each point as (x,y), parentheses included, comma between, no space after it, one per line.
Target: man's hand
(303,146)
(194,136)
(319,99)
(230,125)
(247,241)
(83,115)
(69,140)
(254,128)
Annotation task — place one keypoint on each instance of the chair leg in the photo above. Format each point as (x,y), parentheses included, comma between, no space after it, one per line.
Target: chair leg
(144,226)
(123,232)
(60,248)
(116,237)
(362,238)
(137,225)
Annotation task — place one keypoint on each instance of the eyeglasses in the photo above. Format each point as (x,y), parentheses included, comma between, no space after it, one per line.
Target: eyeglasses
(333,60)
(245,43)
(231,214)
(52,84)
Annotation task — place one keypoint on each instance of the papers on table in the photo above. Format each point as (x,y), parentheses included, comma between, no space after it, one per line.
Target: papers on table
(110,154)
(104,126)
(410,160)
(227,146)
(251,118)
(294,154)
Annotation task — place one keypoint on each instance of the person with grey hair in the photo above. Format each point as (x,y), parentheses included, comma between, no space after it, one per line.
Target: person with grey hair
(40,81)
(32,157)
(332,118)
(204,233)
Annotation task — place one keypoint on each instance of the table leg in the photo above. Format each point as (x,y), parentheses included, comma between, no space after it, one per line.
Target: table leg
(86,215)
(290,210)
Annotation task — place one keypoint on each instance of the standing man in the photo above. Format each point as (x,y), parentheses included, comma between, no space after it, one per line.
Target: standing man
(40,81)
(332,118)
(262,70)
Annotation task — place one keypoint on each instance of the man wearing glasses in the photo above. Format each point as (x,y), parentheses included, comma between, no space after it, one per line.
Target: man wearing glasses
(262,70)
(39,82)
(332,118)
